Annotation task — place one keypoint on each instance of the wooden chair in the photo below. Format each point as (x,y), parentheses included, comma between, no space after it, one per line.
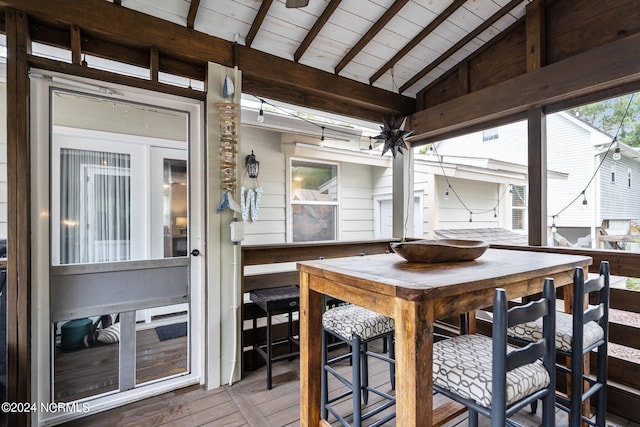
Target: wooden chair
(356,326)
(589,326)
(493,378)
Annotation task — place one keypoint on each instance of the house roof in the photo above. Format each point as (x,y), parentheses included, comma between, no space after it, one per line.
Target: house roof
(491,235)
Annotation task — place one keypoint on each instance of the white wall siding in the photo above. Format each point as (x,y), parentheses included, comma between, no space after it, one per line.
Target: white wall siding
(621,202)
(356,201)
(478,196)
(270,226)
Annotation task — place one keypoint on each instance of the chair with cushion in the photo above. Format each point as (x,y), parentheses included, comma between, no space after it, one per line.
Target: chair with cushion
(356,327)
(493,378)
(591,329)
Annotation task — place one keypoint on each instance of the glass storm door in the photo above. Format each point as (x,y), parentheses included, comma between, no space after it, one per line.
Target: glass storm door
(121,269)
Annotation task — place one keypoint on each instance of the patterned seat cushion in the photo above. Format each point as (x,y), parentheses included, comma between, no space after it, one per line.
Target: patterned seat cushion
(349,320)
(532,331)
(462,365)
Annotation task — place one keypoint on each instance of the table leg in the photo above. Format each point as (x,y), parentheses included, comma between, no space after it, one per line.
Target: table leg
(311,310)
(414,363)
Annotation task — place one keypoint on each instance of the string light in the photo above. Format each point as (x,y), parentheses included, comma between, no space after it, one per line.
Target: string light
(584,200)
(370,146)
(553,224)
(261,113)
(616,151)
(452,190)
(322,127)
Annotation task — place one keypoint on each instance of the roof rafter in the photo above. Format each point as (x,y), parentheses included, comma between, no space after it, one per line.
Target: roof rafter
(193,11)
(417,39)
(317,26)
(257,22)
(375,29)
(103,23)
(466,39)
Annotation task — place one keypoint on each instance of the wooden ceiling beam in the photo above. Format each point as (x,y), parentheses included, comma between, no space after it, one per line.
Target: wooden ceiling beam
(535,35)
(457,4)
(193,11)
(369,35)
(317,26)
(257,22)
(613,65)
(466,39)
(111,28)
(76,48)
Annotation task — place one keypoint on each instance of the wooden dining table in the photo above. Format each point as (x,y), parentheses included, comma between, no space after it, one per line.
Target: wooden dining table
(415,295)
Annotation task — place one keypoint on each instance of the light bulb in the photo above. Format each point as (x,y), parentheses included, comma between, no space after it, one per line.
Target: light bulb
(584,201)
(616,153)
(554,228)
(446,194)
(261,116)
(470,216)
(495,213)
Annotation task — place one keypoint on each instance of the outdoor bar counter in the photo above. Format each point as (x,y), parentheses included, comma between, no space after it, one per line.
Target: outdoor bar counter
(414,295)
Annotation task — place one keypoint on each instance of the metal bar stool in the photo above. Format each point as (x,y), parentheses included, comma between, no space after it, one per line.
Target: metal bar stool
(284,299)
(356,327)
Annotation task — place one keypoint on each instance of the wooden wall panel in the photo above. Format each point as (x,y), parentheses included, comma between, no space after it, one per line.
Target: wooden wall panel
(446,89)
(502,61)
(577,26)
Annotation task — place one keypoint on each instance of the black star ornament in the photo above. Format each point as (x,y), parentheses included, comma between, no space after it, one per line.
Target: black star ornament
(393,136)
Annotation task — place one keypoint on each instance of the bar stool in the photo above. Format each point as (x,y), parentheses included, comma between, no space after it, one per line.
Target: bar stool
(272,301)
(356,327)
(590,327)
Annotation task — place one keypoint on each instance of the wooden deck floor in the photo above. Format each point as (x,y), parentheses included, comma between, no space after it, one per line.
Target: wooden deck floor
(249,403)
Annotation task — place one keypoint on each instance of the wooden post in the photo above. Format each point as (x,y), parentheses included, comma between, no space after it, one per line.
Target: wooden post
(537,211)
(18,286)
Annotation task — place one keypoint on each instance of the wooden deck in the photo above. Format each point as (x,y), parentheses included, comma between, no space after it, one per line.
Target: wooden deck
(87,372)
(249,403)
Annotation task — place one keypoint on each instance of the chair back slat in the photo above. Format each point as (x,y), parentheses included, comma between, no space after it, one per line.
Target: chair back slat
(527,313)
(525,355)
(593,285)
(593,314)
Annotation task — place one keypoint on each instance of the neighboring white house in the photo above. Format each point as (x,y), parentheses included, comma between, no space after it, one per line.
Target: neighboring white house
(478,180)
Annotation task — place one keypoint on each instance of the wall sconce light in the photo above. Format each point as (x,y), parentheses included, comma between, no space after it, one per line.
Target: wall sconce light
(252,165)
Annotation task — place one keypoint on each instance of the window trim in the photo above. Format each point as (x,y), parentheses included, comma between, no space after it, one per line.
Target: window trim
(523,208)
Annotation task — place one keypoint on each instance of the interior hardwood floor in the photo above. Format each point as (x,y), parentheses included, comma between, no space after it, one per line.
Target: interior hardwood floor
(249,403)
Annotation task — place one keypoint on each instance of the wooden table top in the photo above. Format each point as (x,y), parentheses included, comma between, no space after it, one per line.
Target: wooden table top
(391,275)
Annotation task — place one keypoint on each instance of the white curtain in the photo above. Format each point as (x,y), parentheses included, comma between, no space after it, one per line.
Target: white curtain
(95,206)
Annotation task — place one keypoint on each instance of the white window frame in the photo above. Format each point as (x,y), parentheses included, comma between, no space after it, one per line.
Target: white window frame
(291,202)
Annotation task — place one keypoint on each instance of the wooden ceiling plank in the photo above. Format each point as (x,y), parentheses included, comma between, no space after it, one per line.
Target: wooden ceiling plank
(466,39)
(193,11)
(609,66)
(257,22)
(76,47)
(369,35)
(457,4)
(317,26)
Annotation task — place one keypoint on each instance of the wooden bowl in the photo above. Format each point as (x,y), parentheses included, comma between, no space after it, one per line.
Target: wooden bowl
(440,250)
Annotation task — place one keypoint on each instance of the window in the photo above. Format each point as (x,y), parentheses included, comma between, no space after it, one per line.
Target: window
(314,201)
(613,172)
(629,178)
(518,207)
(490,134)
